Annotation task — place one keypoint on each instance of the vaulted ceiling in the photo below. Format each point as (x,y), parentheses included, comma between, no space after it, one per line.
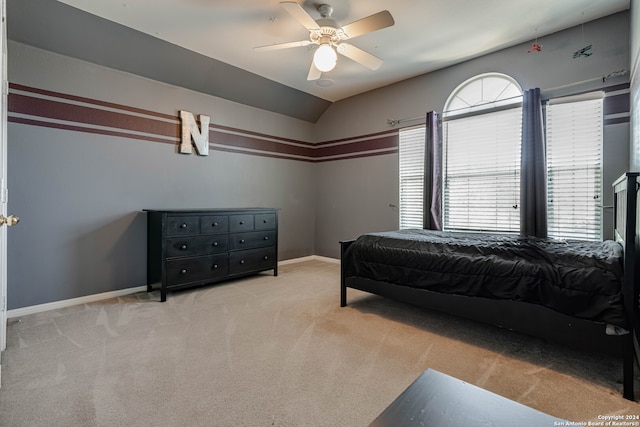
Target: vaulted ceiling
(208,45)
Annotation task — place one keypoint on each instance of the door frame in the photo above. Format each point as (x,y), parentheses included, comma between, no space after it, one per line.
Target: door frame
(3,177)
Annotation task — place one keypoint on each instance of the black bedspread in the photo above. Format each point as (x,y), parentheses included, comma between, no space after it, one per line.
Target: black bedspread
(577,278)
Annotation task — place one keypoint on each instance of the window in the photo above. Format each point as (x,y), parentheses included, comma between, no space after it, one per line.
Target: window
(481,155)
(574,167)
(411,152)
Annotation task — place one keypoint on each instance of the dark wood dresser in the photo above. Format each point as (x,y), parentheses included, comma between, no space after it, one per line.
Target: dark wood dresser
(192,247)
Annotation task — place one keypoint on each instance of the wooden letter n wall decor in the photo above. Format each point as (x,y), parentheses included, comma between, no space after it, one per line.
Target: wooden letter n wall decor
(190,131)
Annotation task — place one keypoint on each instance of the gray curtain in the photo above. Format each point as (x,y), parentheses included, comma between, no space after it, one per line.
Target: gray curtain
(533,172)
(433,173)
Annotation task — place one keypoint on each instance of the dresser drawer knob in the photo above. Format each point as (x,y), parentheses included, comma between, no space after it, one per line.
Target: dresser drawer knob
(241,261)
(266,237)
(241,222)
(215,266)
(215,224)
(266,257)
(183,247)
(265,221)
(183,225)
(183,271)
(215,243)
(241,240)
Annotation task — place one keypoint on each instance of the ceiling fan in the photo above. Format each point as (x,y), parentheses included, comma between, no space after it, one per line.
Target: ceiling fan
(330,37)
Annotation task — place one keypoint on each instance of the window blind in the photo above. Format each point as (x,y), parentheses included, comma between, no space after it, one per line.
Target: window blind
(574,169)
(411,153)
(481,155)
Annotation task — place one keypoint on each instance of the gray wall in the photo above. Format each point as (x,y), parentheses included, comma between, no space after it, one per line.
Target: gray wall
(80,195)
(553,70)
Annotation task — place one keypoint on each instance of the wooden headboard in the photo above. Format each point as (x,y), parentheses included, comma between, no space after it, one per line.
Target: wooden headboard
(627,229)
(625,191)
(627,232)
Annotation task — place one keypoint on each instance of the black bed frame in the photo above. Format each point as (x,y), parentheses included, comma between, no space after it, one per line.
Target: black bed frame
(533,319)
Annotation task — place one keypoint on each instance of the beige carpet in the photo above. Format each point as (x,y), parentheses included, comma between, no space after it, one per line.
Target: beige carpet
(275,351)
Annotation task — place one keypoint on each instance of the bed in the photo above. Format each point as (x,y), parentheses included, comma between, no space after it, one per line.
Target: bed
(585,293)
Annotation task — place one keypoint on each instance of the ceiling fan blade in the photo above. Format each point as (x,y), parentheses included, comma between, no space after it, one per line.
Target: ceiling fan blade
(314,73)
(287,45)
(360,56)
(300,14)
(374,22)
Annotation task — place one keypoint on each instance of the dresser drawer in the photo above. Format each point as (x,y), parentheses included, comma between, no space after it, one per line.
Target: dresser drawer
(240,222)
(212,224)
(253,259)
(265,222)
(255,239)
(183,225)
(196,245)
(187,270)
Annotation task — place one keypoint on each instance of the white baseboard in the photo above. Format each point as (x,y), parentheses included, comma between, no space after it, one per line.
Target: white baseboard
(17,312)
(309,258)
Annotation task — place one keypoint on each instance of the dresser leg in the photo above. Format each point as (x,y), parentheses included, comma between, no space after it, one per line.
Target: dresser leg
(163,294)
(275,271)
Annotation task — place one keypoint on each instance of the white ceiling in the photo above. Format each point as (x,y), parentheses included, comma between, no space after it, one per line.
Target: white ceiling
(427,35)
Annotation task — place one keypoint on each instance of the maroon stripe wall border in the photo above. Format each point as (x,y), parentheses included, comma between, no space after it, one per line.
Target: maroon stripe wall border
(38,107)
(45,108)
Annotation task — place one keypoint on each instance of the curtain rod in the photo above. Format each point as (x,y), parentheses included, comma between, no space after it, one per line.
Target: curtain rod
(602,79)
(395,122)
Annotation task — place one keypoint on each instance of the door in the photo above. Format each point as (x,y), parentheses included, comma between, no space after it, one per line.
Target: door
(3,183)
(4,219)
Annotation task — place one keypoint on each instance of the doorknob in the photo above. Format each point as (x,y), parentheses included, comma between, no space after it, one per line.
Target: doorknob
(10,220)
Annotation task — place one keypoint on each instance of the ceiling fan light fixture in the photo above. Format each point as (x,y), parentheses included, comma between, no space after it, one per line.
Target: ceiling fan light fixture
(325,58)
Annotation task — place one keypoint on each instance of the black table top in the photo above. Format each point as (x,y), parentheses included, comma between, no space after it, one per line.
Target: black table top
(438,400)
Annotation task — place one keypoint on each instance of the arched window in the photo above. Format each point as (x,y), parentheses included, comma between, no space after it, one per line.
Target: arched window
(481,155)
(482,93)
